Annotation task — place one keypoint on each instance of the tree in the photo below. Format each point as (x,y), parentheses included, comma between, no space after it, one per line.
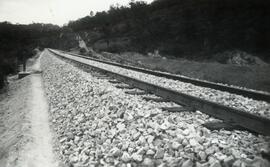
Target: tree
(91,13)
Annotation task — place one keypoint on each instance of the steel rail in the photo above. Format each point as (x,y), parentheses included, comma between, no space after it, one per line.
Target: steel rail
(242,118)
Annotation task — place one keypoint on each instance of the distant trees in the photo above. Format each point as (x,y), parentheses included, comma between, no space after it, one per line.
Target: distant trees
(116,14)
(91,13)
(18,41)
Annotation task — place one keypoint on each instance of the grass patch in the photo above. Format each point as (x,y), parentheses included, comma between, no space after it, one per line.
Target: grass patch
(253,77)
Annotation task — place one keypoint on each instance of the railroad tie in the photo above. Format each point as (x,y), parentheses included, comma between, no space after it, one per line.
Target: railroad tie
(101,76)
(155,99)
(218,125)
(178,109)
(134,92)
(124,87)
(115,81)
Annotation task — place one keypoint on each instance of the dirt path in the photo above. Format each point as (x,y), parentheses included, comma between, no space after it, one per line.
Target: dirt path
(27,107)
(38,153)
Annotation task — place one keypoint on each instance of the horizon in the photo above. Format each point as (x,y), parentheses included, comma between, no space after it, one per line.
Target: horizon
(58,12)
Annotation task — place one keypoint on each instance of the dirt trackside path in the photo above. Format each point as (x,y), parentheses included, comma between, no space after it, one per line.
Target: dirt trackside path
(39,152)
(36,147)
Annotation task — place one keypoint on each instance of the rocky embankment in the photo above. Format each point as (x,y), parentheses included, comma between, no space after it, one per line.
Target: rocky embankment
(97,124)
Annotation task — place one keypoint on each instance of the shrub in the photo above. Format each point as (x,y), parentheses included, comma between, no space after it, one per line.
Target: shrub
(82,50)
(2,79)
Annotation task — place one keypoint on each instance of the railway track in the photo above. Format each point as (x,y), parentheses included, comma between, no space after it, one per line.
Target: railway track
(234,116)
(256,95)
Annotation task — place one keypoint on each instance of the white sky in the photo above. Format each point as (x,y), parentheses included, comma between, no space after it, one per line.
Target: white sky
(52,11)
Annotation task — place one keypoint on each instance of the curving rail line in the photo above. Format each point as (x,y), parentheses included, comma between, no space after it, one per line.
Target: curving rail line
(244,119)
(256,95)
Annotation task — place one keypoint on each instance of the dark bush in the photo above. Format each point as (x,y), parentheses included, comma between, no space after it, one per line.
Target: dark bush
(2,78)
(82,51)
(17,43)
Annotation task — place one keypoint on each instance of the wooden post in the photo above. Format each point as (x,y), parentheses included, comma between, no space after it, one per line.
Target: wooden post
(24,63)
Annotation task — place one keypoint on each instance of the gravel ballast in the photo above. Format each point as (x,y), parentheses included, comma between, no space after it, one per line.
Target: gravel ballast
(98,124)
(260,108)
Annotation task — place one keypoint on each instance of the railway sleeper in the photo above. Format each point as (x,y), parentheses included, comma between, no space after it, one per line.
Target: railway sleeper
(102,77)
(98,75)
(124,87)
(156,99)
(135,92)
(218,125)
(115,81)
(178,109)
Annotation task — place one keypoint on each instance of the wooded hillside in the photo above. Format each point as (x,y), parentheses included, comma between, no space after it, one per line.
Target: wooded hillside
(184,28)
(18,41)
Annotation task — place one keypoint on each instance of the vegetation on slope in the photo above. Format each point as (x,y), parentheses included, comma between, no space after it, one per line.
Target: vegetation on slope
(186,28)
(193,29)
(18,41)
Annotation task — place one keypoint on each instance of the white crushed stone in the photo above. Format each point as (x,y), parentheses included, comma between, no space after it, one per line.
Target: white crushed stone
(99,124)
